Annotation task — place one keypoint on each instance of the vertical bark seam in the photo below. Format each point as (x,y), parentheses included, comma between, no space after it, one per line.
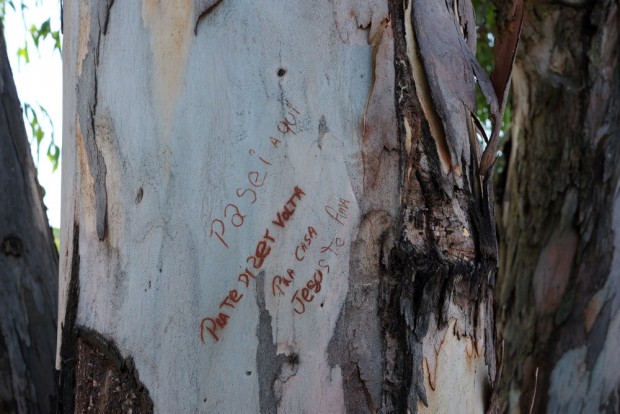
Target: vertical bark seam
(108,9)
(66,375)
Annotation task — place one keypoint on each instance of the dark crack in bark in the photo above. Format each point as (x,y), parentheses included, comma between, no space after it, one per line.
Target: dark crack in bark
(87,111)
(202,9)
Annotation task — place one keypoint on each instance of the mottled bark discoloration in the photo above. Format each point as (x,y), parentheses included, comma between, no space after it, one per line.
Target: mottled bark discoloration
(358,342)
(558,226)
(270,365)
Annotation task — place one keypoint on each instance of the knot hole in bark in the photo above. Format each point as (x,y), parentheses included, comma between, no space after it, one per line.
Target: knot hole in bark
(12,246)
(293,359)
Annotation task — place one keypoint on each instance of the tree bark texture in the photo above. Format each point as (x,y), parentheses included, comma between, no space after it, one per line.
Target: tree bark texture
(28,266)
(560,217)
(274,207)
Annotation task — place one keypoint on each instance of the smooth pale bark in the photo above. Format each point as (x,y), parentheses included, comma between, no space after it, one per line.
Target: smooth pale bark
(28,266)
(560,273)
(258,216)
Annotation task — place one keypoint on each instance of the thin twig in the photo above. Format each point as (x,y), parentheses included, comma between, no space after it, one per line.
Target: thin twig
(535,386)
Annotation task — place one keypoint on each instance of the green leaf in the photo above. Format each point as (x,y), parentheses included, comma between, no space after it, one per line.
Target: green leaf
(44,30)
(53,154)
(38,133)
(56,37)
(22,53)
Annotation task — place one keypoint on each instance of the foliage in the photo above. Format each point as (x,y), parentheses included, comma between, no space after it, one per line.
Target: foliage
(35,35)
(31,114)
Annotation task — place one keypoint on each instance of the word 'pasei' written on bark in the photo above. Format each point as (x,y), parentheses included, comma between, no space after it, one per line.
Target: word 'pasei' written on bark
(315,266)
(231,213)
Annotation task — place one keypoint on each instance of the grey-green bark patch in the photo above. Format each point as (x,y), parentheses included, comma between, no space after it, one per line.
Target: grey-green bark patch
(268,363)
(357,344)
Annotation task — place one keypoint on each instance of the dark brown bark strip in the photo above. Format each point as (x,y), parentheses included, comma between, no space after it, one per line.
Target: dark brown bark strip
(68,346)
(105,381)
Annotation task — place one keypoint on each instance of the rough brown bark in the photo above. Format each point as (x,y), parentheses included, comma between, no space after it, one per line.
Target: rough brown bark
(28,266)
(105,382)
(429,257)
(557,212)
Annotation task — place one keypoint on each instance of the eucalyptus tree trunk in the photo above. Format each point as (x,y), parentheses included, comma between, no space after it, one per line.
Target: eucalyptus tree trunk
(28,266)
(275,206)
(560,273)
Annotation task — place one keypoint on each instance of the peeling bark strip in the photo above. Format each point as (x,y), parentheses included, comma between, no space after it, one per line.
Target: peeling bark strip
(96,26)
(445,39)
(505,51)
(357,355)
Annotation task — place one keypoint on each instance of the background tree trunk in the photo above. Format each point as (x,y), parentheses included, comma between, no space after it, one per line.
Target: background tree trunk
(273,206)
(560,274)
(28,266)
